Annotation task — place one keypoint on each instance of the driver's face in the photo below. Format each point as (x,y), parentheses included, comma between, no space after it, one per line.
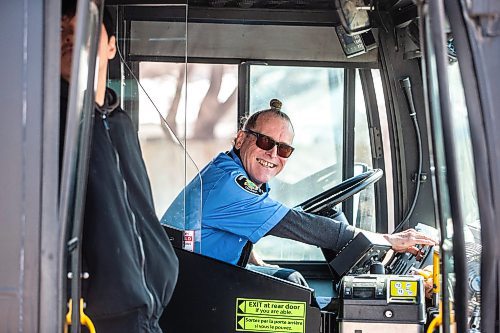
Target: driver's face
(263,165)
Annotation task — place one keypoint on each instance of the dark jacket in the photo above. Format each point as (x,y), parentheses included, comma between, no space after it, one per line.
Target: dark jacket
(132,265)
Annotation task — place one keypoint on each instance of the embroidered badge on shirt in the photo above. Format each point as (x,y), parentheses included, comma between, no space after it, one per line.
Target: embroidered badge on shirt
(248,185)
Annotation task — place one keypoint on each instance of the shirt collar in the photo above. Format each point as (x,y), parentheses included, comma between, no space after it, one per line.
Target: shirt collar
(234,154)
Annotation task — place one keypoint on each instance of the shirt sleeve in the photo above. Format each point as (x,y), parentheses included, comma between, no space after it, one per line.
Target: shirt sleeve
(239,209)
(314,229)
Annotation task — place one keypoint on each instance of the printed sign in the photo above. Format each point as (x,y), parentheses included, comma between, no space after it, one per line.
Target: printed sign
(188,243)
(404,290)
(260,315)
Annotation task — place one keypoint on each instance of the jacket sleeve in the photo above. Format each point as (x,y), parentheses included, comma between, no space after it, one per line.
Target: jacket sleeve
(316,230)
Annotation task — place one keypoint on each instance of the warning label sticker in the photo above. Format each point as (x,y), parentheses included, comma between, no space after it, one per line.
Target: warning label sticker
(269,324)
(259,315)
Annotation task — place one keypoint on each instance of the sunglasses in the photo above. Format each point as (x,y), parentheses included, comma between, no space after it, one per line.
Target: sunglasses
(266,143)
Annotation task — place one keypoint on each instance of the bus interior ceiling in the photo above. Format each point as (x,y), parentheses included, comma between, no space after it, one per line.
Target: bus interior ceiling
(245,30)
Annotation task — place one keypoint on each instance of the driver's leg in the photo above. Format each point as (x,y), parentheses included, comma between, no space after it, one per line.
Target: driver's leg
(287,274)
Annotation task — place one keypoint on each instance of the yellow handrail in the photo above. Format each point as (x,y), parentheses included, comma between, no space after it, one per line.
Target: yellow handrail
(84,319)
(438,320)
(435,272)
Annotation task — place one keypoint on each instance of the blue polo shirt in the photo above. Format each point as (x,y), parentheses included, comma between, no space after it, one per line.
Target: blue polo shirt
(234,209)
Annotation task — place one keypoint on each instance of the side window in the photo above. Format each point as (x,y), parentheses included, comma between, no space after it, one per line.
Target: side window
(203,120)
(313,98)
(467,189)
(464,155)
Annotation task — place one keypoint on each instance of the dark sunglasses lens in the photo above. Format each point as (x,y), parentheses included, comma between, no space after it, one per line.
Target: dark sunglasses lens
(265,142)
(285,151)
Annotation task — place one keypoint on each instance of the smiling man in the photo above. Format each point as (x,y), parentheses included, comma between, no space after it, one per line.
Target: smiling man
(237,210)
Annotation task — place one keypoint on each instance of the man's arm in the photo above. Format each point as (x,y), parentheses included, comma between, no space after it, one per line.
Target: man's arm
(335,233)
(314,229)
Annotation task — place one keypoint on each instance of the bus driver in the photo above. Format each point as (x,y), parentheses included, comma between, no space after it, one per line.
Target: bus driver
(237,210)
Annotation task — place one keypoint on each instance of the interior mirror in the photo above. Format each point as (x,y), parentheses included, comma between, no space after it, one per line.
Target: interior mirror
(353,15)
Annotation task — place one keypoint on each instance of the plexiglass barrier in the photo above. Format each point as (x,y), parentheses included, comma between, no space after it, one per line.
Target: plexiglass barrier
(156,98)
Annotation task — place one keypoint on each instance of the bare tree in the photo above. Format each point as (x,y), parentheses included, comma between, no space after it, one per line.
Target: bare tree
(174,107)
(211,110)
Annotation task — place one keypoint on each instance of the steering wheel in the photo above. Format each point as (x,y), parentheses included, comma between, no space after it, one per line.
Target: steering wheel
(341,192)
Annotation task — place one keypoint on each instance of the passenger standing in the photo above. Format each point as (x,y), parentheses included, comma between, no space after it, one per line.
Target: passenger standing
(133,268)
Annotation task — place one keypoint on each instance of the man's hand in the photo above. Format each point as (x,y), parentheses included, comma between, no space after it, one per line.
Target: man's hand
(405,241)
